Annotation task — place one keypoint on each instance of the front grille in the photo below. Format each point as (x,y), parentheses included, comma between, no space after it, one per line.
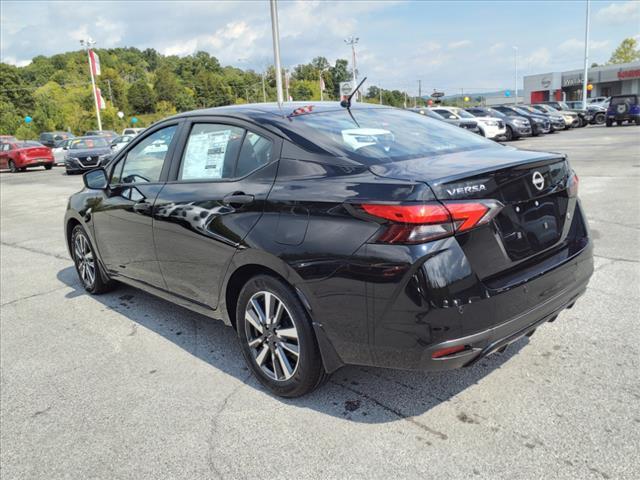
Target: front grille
(88,161)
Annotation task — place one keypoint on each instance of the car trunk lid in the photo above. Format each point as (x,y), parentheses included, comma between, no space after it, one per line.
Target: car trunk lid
(531,186)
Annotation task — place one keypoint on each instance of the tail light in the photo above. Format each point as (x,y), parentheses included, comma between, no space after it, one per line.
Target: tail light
(430,221)
(572,185)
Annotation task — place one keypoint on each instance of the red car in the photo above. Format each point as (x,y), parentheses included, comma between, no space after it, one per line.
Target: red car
(22,154)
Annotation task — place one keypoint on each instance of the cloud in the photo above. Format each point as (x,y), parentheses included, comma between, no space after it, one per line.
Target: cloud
(459,44)
(496,47)
(619,13)
(539,58)
(574,45)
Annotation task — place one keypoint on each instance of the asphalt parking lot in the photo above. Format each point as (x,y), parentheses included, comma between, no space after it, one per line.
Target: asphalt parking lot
(125,385)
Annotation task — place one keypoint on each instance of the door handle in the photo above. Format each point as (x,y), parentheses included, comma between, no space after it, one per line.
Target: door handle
(237,198)
(142,207)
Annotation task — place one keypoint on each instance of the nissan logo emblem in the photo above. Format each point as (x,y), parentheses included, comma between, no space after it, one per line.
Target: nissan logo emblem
(537,180)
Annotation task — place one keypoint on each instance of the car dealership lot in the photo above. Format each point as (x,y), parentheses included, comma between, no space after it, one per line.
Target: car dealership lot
(125,385)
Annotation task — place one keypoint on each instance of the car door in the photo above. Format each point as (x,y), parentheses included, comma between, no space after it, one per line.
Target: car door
(4,149)
(122,219)
(216,193)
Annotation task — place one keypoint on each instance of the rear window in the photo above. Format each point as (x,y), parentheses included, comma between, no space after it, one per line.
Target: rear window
(383,135)
(28,144)
(630,99)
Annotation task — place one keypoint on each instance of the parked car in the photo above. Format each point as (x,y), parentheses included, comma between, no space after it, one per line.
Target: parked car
(132,131)
(598,113)
(465,123)
(515,126)
(555,119)
(571,119)
(490,127)
(601,101)
(120,142)
(583,115)
(623,108)
(60,150)
(50,139)
(7,138)
(539,123)
(101,133)
(87,153)
(22,154)
(328,236)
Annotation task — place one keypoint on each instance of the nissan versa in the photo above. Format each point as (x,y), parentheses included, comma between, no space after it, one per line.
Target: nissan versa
(327,235)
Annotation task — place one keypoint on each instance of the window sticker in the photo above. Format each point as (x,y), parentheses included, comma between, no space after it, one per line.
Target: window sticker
(205,154)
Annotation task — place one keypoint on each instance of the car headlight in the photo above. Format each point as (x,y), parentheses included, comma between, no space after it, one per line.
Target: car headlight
(69,157)
(521,122)
(538,120)
(491,123)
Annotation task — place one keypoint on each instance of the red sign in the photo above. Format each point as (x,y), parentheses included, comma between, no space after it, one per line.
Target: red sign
(629,74)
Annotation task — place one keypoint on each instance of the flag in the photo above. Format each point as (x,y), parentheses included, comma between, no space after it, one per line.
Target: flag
(102,104)
(95,62)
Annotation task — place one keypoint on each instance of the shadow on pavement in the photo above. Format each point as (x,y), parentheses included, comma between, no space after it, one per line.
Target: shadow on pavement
(361,394)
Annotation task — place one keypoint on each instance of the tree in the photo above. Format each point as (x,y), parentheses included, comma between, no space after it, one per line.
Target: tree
(626,52)
(140,97)
(166,86)
(339,73)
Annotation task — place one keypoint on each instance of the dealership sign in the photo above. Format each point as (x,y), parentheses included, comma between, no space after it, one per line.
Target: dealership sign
(623,75)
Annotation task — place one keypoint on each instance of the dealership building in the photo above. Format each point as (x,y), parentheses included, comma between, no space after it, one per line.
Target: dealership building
(607,80)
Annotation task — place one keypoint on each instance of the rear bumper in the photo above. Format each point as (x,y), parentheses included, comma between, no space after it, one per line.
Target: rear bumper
(39,162)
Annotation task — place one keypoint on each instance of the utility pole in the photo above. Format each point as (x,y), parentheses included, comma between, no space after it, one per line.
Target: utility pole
(87,44)
(420,88)
(275,33)
(405,99)
(110,93)
(264,90)
(380,88)
(585,77)
(353,41)
(515,86)
(286,84)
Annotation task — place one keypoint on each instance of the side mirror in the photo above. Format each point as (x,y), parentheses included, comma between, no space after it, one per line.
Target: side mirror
(96,179)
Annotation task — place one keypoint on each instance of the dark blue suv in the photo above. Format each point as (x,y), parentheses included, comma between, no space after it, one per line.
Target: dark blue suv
(623,108)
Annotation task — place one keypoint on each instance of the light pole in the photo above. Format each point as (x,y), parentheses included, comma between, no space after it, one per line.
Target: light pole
(515,80)
(353,41)
(585,79)
(87,44)
(275,33)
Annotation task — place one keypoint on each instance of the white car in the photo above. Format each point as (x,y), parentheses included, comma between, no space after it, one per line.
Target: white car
(119,142)
(132,131)
(60,151)
(490,127)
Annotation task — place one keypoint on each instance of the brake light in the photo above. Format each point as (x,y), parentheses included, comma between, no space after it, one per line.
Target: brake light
(430,221)
(572,185)
(448,351)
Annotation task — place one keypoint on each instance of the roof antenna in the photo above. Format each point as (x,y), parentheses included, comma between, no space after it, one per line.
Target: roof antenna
(346,103)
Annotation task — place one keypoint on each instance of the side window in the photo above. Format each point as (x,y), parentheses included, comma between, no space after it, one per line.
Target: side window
(143,162)
(211,152)
(255,152)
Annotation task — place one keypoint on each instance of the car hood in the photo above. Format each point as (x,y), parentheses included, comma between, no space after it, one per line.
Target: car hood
(89,152)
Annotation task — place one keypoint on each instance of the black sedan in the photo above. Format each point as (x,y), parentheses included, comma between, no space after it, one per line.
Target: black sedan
(539,123)
(87,153)
(328,236)
(465,123)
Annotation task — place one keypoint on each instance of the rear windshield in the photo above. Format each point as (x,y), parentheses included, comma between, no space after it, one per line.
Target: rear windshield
(630,99)
(28,144)
(84,143)
(383,135)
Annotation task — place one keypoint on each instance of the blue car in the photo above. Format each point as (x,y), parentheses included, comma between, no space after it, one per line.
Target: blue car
(623,108)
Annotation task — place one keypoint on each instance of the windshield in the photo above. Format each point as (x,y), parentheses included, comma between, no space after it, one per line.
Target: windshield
(86,143)
(463,113)
(520,111)
(495,113)
(382,135)
(28,143)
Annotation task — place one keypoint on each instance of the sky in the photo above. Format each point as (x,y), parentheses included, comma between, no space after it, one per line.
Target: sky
(449,46)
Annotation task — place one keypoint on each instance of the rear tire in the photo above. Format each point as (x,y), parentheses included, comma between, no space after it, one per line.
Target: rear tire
(600,118)
(86,262)
(508,135)
(12,167)
(609,122)
(638,121)
(48,167)
(618,122)
(280,348)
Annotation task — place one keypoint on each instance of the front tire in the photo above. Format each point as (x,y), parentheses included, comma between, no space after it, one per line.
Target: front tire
(277,338)
(87,266)
(12,167)
(508,135)
(48,167)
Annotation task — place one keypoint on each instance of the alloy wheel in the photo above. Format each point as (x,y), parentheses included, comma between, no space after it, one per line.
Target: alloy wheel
(85,261)
(272,336)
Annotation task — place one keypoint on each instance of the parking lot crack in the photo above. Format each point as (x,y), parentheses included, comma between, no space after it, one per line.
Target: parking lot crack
(33,296)
(617,259)
(214,428)
(395,412)
(35,250)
